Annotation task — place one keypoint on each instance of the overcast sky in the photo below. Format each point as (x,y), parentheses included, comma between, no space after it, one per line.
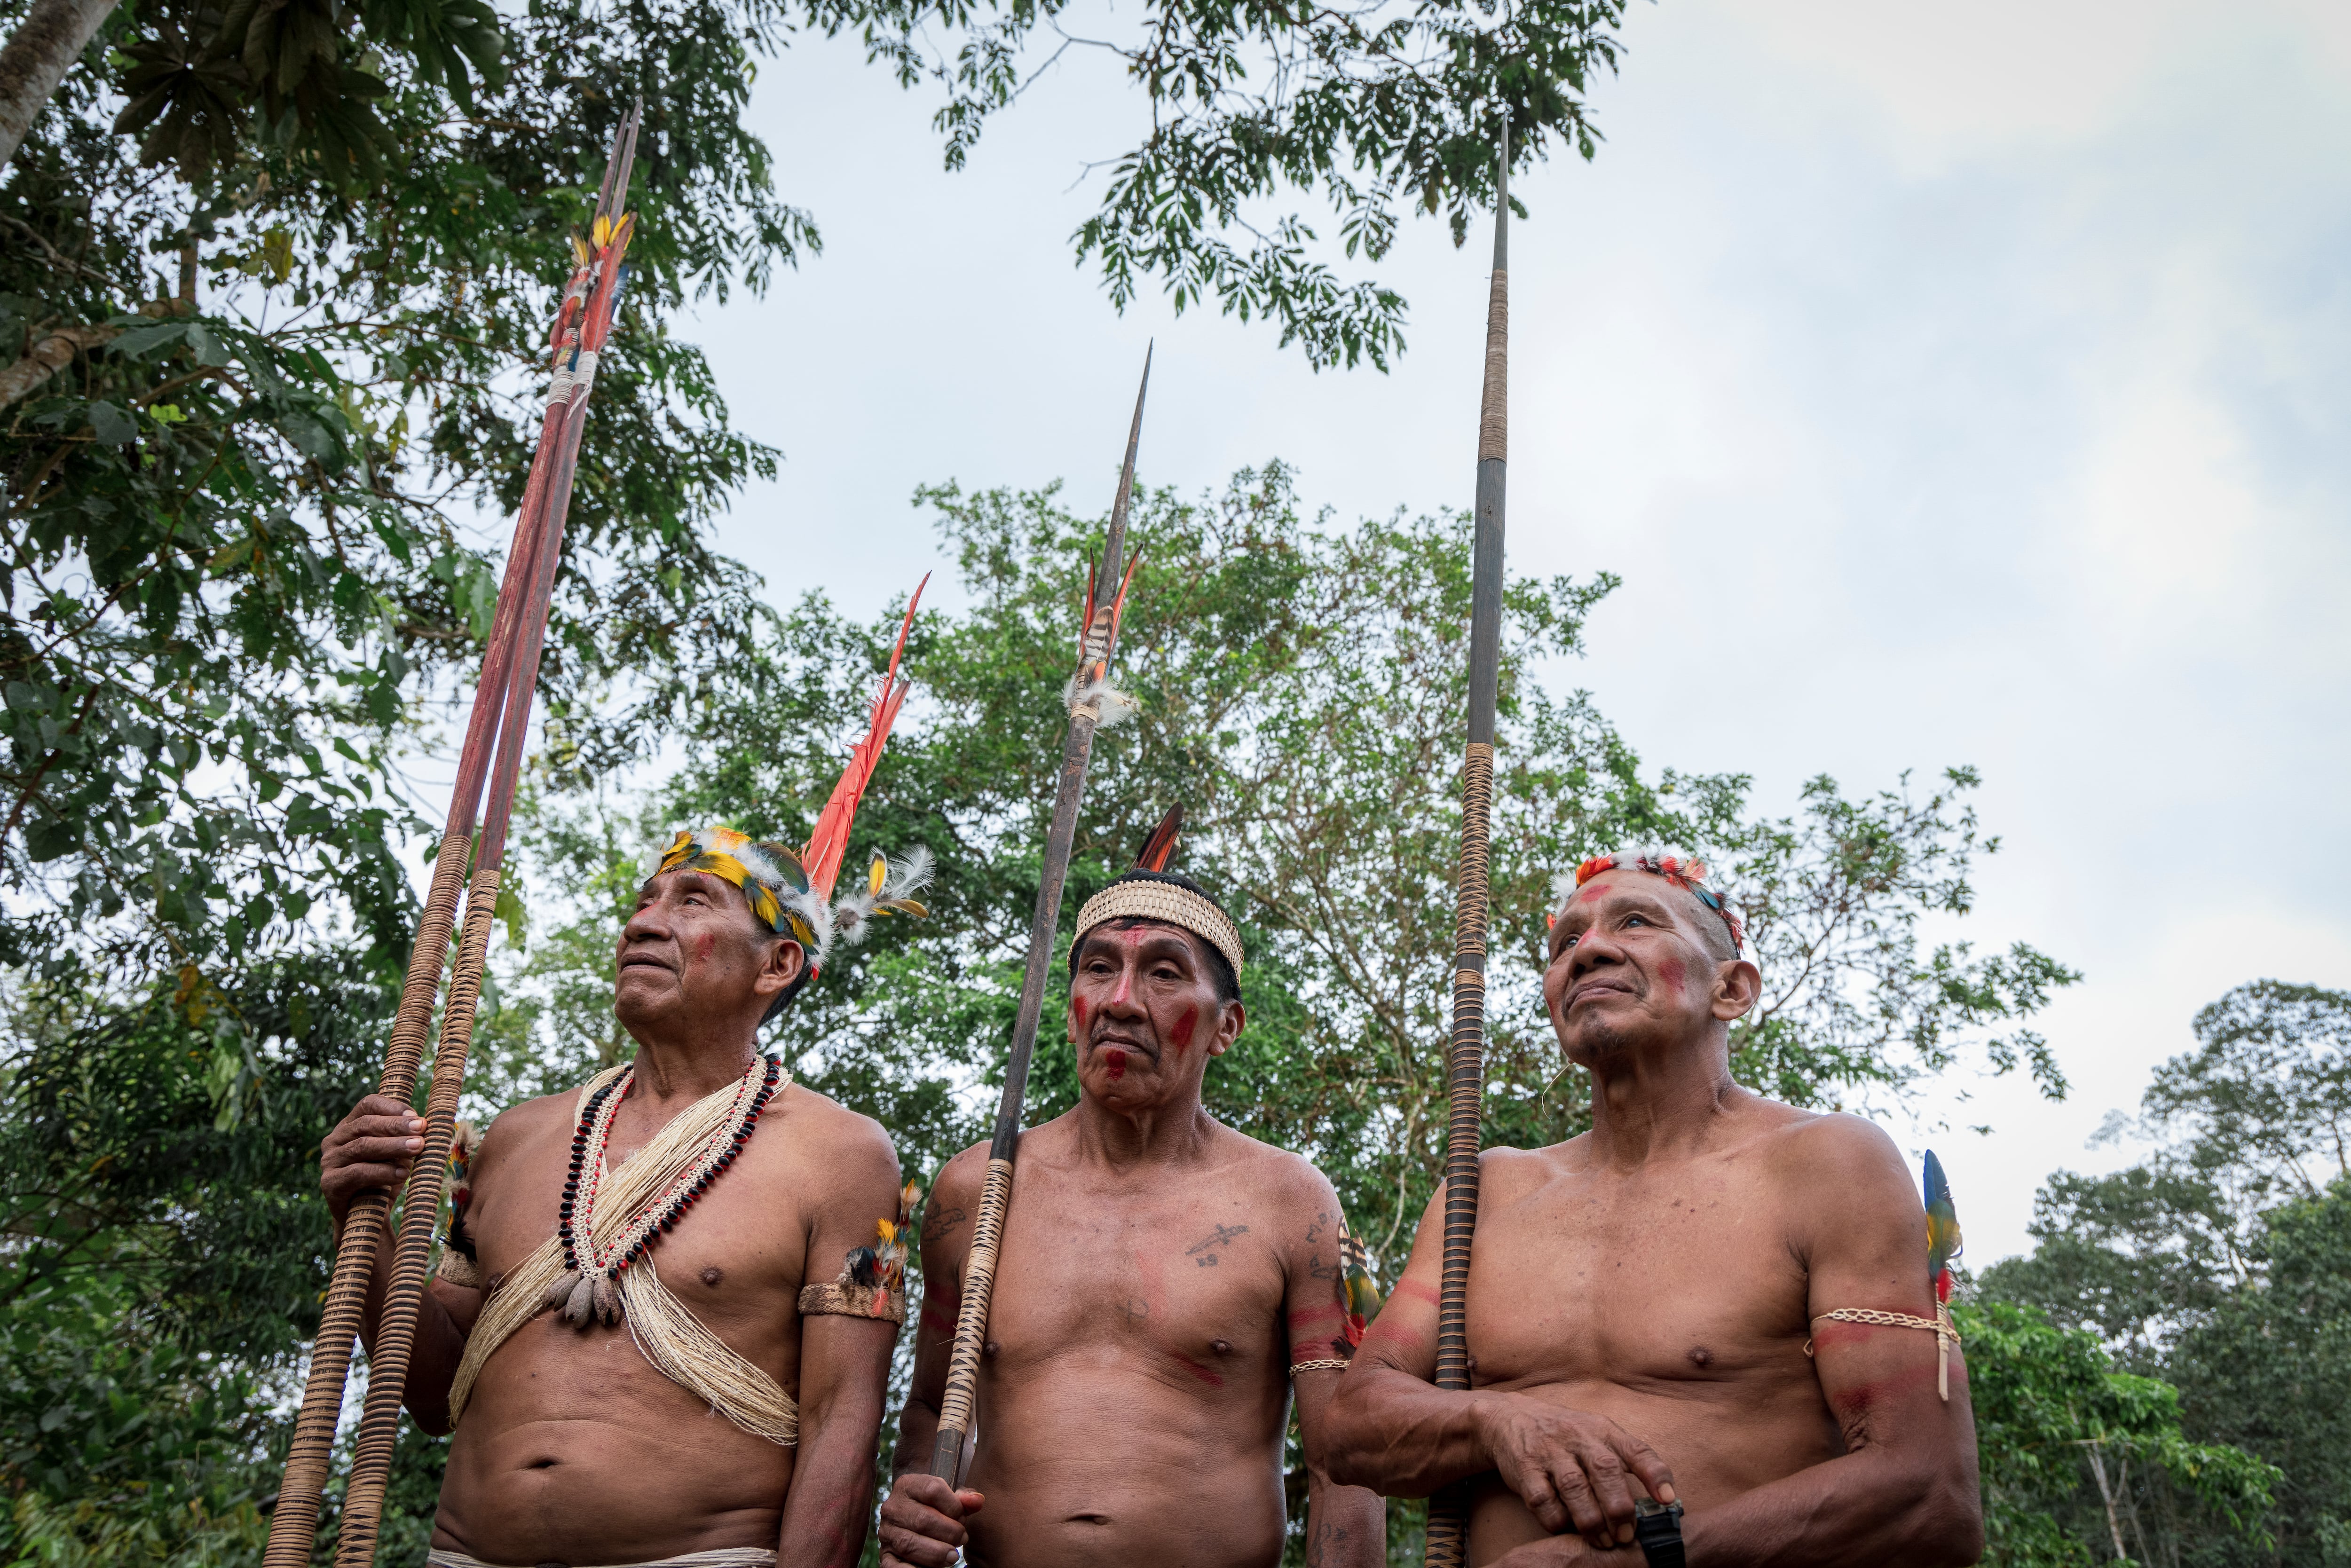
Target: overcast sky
(1962,384)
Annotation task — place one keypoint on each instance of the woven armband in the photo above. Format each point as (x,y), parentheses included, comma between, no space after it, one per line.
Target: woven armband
(845,1298)
(458,1269)
(1329,1363)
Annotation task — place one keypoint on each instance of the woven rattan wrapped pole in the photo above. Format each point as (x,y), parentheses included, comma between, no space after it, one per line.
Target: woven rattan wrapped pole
(388,1359)
(1466,1059)
(295,1521)
(519,619)
(1088,693)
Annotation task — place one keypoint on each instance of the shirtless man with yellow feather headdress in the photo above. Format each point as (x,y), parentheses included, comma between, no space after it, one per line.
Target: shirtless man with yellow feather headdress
(663,1326)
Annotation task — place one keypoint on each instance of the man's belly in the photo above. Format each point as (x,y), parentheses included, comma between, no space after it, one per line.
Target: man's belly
(1093,1467)
(592,1456)
(1721,1439)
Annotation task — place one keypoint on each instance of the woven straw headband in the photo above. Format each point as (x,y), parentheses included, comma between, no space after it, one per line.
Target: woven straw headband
(1168,905)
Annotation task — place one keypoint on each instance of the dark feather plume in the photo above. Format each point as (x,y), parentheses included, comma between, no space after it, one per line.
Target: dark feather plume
(1160,847)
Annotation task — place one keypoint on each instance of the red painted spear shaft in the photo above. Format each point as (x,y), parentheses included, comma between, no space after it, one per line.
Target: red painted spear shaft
(500,709)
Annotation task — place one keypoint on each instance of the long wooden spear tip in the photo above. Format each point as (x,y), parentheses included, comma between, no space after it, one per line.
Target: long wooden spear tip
(1134,430)
(1502,203)
(628,154)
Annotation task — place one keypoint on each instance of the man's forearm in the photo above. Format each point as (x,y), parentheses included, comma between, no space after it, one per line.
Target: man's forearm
(825,1512)
(1347,1527)
(918,1434)
(1864,1508)
(1400,1437)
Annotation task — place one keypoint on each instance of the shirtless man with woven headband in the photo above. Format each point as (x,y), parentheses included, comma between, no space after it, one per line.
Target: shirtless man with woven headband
(1662,1312)
(1165,1285)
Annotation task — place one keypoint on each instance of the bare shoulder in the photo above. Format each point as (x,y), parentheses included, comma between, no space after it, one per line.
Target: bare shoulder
(1810,1149)
(516,1129)
(826,1132)
(1505,1174)
(960,1181)
(1274,1177)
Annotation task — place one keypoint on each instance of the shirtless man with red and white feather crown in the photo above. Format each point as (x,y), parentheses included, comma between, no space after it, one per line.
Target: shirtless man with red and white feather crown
(1704,1332)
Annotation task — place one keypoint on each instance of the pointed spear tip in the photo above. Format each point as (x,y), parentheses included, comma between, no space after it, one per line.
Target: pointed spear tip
(1502,200)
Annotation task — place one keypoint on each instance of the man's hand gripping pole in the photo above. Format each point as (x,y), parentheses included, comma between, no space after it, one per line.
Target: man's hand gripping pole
(1448,1536)
(1088,698)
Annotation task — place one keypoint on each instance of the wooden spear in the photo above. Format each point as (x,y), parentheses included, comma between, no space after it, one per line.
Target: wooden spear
(509,667)
(1096,639)
(1466,1063)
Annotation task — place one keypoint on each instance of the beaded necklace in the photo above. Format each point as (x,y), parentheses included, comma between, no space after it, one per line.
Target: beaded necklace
(589,1289)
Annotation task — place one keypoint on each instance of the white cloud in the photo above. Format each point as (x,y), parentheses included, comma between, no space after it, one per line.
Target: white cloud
(1951,386)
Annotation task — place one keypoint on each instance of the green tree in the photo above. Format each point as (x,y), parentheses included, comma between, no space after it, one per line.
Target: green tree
(2083,1463)
(2220,1264)
(245,573)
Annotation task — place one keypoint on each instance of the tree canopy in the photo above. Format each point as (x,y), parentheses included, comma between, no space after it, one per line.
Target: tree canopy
(2218,1263)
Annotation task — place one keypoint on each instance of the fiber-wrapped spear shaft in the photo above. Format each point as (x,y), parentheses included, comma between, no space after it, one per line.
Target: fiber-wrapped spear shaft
(1087,694)
(1466,1059)
(501,710)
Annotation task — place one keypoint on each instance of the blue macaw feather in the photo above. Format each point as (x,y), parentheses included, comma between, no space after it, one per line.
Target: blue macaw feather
(1943,1242)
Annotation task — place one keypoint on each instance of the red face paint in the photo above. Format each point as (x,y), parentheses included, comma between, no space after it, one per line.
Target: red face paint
(702,947)
(1114,1060)
(1078,1011)
(1673,973)
(1182,1037)
(1594,893)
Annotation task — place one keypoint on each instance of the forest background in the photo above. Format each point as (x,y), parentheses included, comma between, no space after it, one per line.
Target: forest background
(272,276)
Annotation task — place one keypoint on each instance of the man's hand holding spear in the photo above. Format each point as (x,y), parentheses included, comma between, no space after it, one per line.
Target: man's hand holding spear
(501,712)
(1092,702)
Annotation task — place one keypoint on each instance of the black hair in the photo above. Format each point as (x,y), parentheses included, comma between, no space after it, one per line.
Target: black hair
(783,997)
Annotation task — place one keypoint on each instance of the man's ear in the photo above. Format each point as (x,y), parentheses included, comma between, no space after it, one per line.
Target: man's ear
(784,963)
(1231,1018)
(1737,986)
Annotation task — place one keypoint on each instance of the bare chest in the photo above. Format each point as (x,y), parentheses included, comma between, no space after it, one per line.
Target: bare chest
(1190,1279)
(739,1246)
(1585,1278)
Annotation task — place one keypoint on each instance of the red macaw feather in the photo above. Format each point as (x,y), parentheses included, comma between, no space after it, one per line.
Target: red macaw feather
(1160,845)
(1117,610)
(828,842)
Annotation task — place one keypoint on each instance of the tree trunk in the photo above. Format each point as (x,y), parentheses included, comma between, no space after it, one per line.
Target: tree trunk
(38,58)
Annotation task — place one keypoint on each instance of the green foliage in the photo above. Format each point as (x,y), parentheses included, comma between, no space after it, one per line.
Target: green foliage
(2058,1434)
(2218,1264)
(1372,112)
(164,1262)
(244,570)
(121,1447)
(1834,899)
(2266,1370)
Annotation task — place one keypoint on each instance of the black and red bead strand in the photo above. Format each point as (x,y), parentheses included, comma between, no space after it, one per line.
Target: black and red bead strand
(579,1159)
(691,1191)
